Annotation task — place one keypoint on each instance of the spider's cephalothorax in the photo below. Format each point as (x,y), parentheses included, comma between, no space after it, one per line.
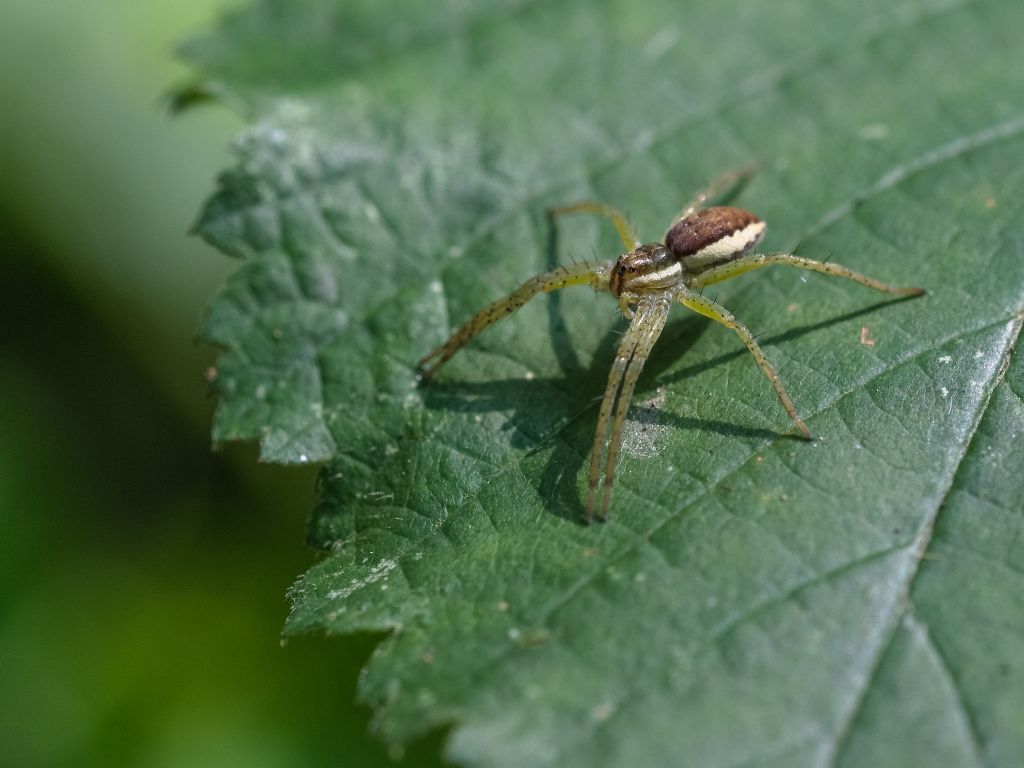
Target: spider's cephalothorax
(647,269)
(702,247)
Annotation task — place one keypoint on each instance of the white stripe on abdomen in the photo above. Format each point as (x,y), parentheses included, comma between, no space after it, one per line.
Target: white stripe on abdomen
(725,248)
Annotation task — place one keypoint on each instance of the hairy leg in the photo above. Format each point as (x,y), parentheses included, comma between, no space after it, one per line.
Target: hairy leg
(563,277)
(622,226)
(649,319)
(717,312)
(757,260)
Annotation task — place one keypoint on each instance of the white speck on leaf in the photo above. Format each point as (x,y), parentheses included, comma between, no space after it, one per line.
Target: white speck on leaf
(602,711)
(874,132)
(661,42)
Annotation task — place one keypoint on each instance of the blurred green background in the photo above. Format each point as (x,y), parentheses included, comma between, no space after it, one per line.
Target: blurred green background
(142,577)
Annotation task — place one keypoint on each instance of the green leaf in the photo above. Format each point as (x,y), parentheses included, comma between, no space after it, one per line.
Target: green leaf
(754,600)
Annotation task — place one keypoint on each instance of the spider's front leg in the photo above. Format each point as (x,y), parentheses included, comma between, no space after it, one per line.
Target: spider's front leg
(648,320)
(622,225)
(577,274)
(717,312)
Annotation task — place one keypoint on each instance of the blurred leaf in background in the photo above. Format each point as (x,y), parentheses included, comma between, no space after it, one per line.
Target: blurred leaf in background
(754,601)
(140,577)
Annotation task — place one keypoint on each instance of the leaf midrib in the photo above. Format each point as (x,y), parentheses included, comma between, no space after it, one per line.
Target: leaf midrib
(920,547)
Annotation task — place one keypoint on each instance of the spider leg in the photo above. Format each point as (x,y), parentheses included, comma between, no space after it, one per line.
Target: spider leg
(649,321)
(720,185)
(757,260)
(627,344)
(563,277)
(622,226)
(720,314)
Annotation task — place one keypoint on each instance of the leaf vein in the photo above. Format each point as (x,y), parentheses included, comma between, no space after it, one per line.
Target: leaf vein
(920,547)
(921,632)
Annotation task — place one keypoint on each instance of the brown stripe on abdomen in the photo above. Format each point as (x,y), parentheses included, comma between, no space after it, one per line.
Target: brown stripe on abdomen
(713,236)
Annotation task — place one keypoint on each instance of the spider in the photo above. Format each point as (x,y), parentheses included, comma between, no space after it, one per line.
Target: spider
(703,246)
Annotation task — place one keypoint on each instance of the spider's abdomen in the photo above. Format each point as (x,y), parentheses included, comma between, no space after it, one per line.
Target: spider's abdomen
(713,236)
(648,269)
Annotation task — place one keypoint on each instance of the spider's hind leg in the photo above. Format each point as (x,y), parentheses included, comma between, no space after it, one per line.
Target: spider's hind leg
(758,260)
